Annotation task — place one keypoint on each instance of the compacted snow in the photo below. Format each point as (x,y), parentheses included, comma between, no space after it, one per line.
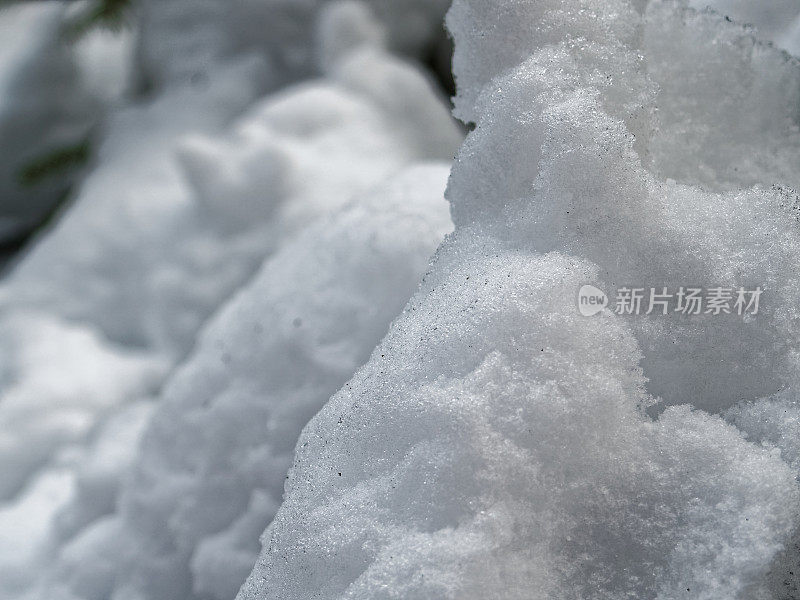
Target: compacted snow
(237,356)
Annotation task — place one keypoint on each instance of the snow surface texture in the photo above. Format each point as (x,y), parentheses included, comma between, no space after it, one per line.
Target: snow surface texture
(43,109)
(775,423)
(186,199)
(495,444)
(498,444)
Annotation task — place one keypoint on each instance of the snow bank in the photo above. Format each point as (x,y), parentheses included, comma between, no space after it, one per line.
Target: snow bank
(500,445)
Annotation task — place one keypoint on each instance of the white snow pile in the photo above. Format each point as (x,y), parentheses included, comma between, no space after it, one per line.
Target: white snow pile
(192,189)
(220,361)
(500,445)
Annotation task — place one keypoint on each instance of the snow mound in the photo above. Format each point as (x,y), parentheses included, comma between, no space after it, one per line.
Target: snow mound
(294,156)
(500,445)
(496,443)
(711,129)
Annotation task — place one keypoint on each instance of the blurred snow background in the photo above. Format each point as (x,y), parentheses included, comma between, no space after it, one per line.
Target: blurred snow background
(223,206)
(223,134)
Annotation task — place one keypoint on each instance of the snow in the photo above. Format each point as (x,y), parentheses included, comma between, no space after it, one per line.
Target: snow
(499,444)
(181,253)
(42,109)
(774,422)
(740,131)
(238,357)
(180,39)
(512,470)
(59,379)
(191,190)
(777,21)
(105,59)
(214,455)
